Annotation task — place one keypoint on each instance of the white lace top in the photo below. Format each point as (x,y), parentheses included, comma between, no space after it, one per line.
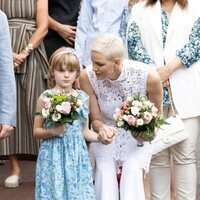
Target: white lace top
(110,95)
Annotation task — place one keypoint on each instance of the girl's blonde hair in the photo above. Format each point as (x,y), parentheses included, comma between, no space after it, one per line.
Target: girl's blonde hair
(109,45)
(182,3)
(62,59)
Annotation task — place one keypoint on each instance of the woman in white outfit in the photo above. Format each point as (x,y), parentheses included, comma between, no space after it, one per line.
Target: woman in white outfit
(109,81)
(165,27)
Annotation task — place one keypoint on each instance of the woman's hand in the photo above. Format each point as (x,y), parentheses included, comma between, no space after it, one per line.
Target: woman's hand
(106,134)
(164,73)
(68,33)
(17,60)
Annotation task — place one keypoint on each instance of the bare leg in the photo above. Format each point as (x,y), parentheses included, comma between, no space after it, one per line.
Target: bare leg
(14,179)
(14,165)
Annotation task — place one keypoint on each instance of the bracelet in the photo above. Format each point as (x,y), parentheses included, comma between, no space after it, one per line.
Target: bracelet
(29,48)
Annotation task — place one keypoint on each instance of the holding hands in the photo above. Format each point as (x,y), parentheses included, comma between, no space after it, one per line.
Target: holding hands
(106,134)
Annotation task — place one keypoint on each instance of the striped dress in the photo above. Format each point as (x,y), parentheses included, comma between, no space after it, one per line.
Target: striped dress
(30,77)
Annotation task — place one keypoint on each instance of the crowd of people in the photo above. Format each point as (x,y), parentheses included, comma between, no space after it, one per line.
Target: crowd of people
(98,53)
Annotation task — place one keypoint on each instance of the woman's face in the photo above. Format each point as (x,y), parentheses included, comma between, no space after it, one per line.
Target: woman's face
(102,67)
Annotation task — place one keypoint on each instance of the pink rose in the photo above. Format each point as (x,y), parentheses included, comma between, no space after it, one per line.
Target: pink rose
(154,109)
(131,120)
(66,107)
(47,102)
(148,117)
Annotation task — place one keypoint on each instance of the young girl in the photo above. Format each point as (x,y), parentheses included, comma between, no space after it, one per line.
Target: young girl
(63,169)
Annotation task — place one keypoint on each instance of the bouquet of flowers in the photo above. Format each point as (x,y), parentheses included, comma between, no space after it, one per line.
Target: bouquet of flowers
(139,116)
(60,107)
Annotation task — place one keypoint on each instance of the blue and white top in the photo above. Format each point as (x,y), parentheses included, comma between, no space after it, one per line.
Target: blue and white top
(96,18)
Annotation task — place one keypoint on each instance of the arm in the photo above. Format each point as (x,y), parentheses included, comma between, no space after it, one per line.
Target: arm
(135,47)
(185,57)
(7,82)
(67,32)
(154,89)
(38,130)
(40,32)
(105,132)
(83,23)
(89,135)
(190,53)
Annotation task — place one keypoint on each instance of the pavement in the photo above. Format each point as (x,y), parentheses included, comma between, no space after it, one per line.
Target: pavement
(26,190)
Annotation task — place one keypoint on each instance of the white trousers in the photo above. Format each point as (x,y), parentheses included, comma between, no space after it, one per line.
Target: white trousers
(183,156)
(131,184)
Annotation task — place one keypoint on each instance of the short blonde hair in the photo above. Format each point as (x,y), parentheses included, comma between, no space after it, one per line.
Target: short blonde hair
(62,59)
(109,45)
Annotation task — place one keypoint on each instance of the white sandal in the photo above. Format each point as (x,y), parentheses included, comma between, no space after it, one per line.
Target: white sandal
(12,181)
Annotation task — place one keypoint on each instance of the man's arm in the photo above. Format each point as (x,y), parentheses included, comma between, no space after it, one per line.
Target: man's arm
(7,81)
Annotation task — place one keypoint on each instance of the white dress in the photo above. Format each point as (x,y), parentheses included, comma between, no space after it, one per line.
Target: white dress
(110,95)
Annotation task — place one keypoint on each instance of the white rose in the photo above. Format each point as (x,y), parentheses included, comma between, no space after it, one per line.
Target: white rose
(56,117)
(135,111)
(45,113)
(59,108)
(139,122)
(120,123)
(125,117)
(115,117)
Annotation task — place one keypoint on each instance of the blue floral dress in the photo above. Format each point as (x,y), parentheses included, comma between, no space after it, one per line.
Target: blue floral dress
(63,170)
(189,54)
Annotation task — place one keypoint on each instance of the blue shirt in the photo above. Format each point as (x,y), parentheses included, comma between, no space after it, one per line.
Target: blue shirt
(96,18)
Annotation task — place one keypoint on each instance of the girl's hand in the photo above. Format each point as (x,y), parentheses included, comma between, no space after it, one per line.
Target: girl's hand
(57,130)
(106,134)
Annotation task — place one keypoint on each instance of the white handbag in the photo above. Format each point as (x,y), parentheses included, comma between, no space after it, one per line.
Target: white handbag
(171,133)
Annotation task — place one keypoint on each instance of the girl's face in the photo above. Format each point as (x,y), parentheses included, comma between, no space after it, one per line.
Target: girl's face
(102,67)
(64,78)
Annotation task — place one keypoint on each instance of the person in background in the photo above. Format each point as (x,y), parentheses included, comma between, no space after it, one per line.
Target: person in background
(63,16)
(28,23)
(7,82)
(108,82)
(63,150)
(172,43)
(96,18)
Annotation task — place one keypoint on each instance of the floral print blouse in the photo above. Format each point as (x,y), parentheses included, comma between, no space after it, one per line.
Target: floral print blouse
(189,54)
